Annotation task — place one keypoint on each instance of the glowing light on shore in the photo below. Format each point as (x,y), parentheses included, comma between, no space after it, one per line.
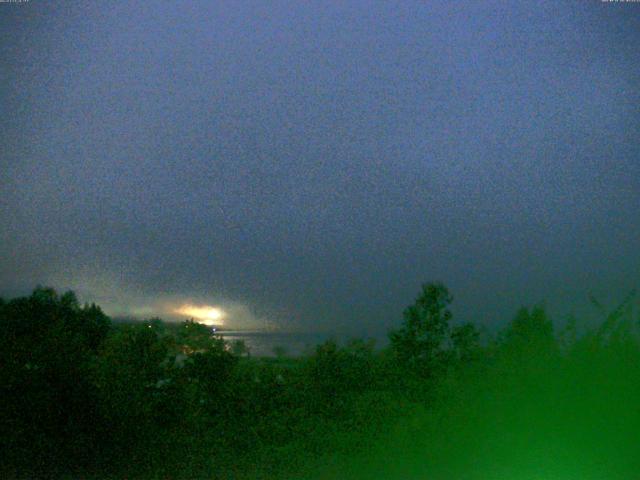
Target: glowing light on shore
(204,314)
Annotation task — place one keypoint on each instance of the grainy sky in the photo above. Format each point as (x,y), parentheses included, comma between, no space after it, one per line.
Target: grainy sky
(312,163)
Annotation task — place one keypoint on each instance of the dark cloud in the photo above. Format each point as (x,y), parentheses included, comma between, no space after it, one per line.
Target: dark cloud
(315,162)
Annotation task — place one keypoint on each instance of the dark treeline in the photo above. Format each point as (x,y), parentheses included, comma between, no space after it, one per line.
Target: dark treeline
(84,397)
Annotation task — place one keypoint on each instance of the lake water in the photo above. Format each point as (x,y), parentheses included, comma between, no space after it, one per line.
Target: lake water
(262,344)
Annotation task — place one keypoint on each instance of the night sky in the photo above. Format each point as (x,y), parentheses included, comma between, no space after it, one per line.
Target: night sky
(309,164)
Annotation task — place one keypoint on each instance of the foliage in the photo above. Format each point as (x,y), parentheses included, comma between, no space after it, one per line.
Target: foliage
(46,344)
(85,397)
(426,344)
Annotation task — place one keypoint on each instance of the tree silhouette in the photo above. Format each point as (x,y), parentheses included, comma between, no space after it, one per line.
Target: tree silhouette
(47,345)
(420,343)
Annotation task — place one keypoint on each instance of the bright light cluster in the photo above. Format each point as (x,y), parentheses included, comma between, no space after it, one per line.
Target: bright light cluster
(204,314)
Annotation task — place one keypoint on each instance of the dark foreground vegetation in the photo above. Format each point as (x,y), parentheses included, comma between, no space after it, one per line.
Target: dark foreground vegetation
(82,397)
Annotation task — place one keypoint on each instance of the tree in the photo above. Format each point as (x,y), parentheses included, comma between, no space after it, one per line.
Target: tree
(530,330)
(528,343)
(193,337)
(128,375)
(420,343)
(240,349)
(47,344)
(465,341)
(279,351)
